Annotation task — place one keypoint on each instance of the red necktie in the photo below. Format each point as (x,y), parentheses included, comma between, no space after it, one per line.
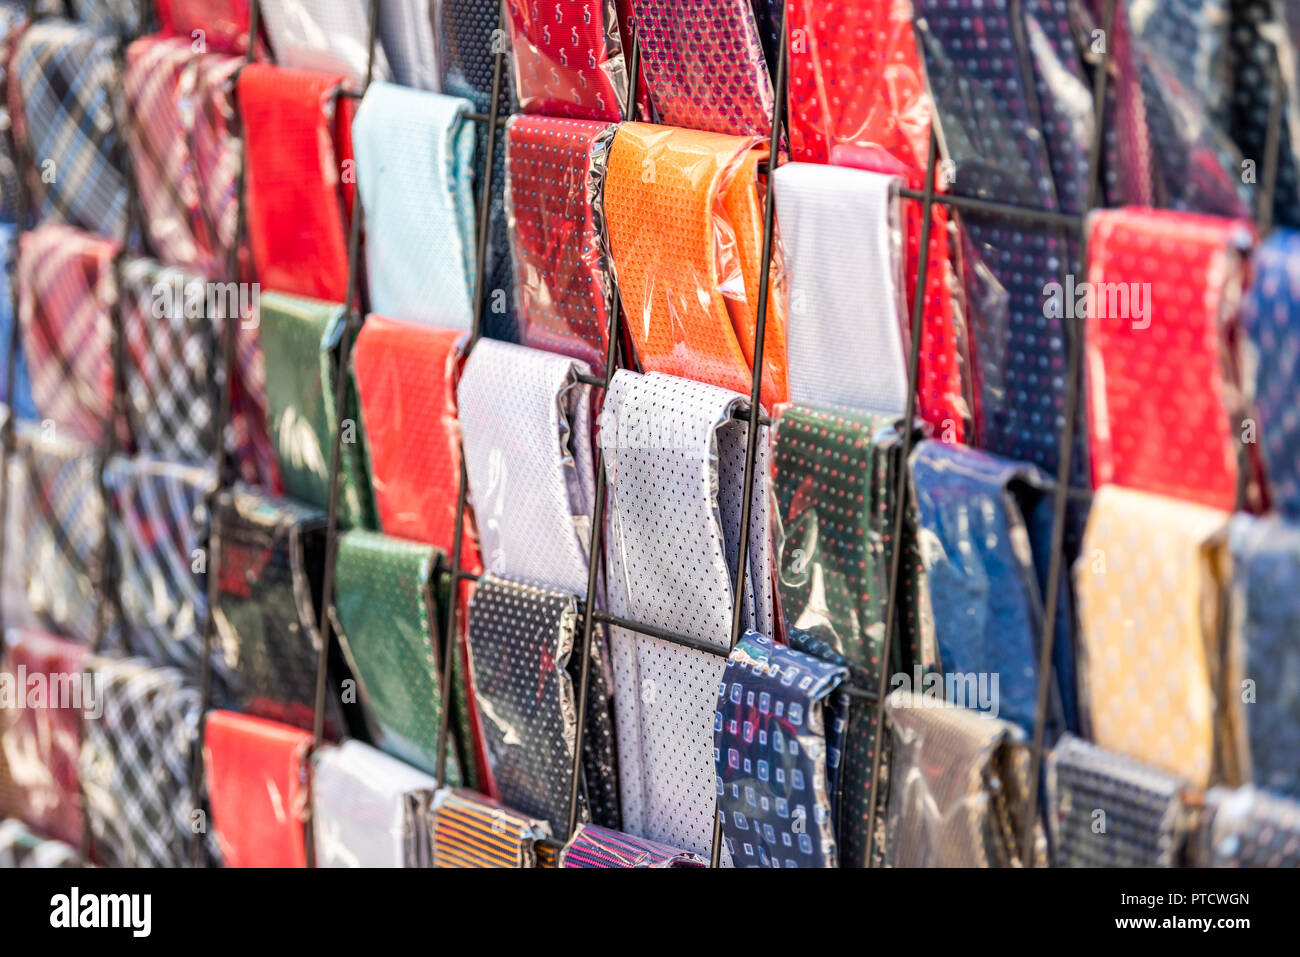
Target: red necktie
(565,56)
(224,22)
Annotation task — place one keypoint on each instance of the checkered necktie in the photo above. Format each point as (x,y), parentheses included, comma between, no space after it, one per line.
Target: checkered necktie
(568,58)
(117,18)
(325,36)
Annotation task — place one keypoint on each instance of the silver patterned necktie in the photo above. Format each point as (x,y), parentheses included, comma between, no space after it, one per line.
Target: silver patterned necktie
(327,36)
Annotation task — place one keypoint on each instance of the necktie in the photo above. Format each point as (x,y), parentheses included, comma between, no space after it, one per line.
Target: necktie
(530,470)
(1258,39)
(957,788)
(522,640)
(415,155)
(472,831)
(41,743)
(1161,380)
(406,31)
(23,404)
(984,532)
(159,524)
(1106,810)
(674,455)
(259,789)
(771,748)
(69,86)
(1270,318)
(1251,828)
(555,179)
(217,148)
(297,131)
(673,199)
(167,376)
(300,341)
(12,23)
(65,286)
(389,621)
(593,846)
(326,36)
(568,58)
(704,65)
(1149,581)
(135,766)
(223,23)
(846,310)
(1266,572)
(21,847)
(369,810)
(119,18)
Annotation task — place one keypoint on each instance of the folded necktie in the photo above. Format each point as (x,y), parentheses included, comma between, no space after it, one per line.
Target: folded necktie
(326,36)
(300,343)
(297,128)
(43,738)
(470,830)
(415,156)
(390,622)
(21,847)
(12,23)
(1150,581)
(1106,810)
(555,198)
(1161,379)
(522,642)
(771,749)
(568,58)
(957,788)
(593,846)
(171,343)
(704,65)
(1251,828)
(406,31)
(675,453)
(119,18)
(259,788)
(172,93)
(135,765)
(159,524)
(65,288)
(369,810)
(530,467)
(69,85)
(223,23)
(985,531)
(1266,619)
(675,200)
(23,404)
(844,282)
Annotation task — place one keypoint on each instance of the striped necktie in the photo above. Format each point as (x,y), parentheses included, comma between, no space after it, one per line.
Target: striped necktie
(470,830)
(593,846)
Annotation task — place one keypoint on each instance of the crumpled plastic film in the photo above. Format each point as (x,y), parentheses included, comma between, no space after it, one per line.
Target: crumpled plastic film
(324,36)
(685,228)
(564,281)
(568,58)
(598,847)
(472,831)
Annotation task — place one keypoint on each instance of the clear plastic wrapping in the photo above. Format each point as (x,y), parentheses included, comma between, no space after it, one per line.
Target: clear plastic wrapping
(568,58)
(598,847)
(472,831)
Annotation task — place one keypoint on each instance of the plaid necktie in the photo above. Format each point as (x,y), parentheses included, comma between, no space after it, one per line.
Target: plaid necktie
(21,847)
(470,830)
(135,766)
(406,31)
(324,36)
(41,743)
(704,65)
(369,810)
(65,286)
(1251,828)
(1150,581)
(297,129)
(224,23)
(1266,574)
(531,472)
(675,455)
(69,86)
(300,343)
(773,749)
(593,846)
(1160,402)
(555,179)
(568,58)
(665,192)
(117,18)
(1106,810)
(958,786)
(259,786)
(24,406)
(415,155)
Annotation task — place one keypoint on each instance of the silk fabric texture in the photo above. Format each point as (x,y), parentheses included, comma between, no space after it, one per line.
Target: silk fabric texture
(325,36)
(568,58)
(472,831)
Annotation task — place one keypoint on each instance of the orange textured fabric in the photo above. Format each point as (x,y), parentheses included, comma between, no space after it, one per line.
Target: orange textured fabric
(686,230)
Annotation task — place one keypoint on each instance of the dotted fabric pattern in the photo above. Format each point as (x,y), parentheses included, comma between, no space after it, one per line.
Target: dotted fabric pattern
(522,642)
(771,748)
(531,474)
(703,61)
(1251,828)
(1160,397)
(325,36)
(674,454)
(568,58)
(1142,822)
(1150,582)
(564,282)
(472,831)
(690,312)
